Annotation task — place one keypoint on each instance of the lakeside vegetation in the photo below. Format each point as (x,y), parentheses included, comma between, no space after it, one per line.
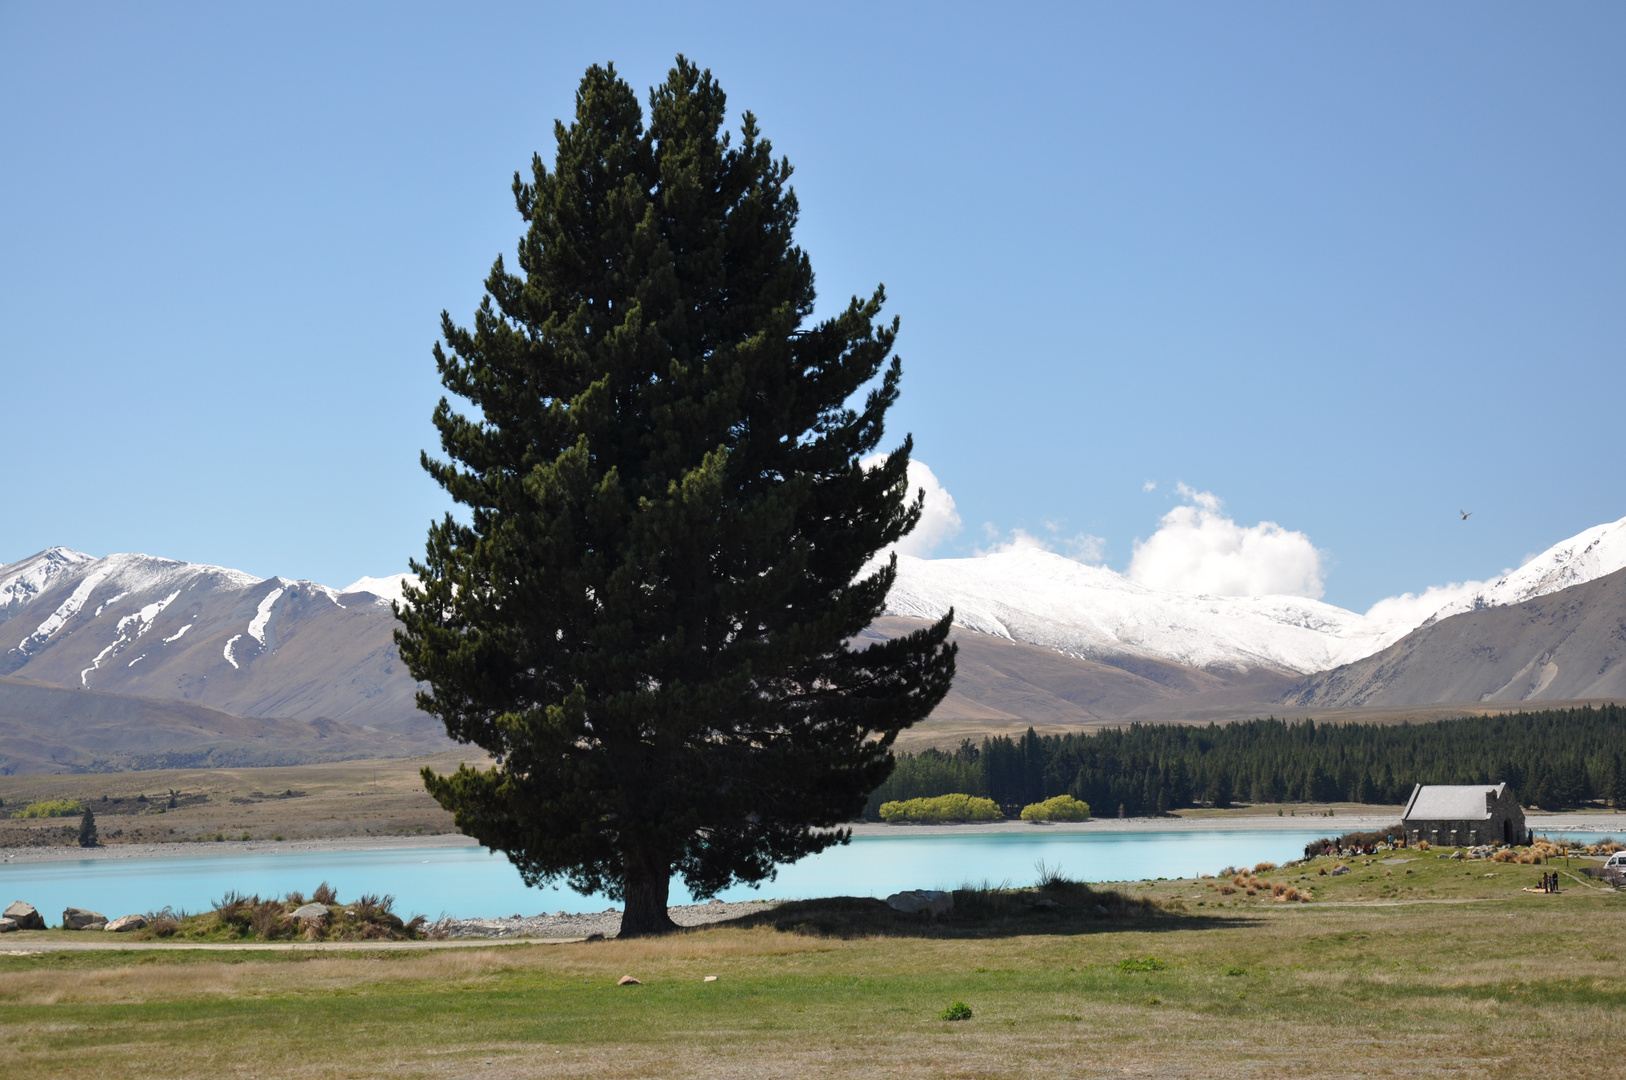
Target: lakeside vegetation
(1555,759)
(1426,967)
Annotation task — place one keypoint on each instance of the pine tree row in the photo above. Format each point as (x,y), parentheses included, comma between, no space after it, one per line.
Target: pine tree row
(1554,759)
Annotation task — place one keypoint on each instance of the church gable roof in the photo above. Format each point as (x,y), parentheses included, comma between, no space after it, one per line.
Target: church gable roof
(1452,802)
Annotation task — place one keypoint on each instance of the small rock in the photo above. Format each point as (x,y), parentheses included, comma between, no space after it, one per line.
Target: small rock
(125,923)
(311,913)
(80,919)
(1339,871)
(628,980)
(711,978)
(25,916)
(915,901)
(7,925)
(1044,903)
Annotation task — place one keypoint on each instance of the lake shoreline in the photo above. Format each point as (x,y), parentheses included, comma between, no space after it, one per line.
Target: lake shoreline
(1555,824)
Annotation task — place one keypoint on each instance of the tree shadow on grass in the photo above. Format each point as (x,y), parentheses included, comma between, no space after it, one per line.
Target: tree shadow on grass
(1061,908)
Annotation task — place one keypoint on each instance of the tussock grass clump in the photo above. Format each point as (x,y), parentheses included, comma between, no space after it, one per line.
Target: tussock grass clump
(1260,868)
(240,917)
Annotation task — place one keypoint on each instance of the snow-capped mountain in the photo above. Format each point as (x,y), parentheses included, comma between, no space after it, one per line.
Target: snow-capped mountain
(157,628)
(1587,556)
(1040,598)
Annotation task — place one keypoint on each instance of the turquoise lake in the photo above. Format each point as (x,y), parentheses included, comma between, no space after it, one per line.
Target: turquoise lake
(469,882)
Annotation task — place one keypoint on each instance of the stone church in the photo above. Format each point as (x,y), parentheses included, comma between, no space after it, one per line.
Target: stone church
(1464,815)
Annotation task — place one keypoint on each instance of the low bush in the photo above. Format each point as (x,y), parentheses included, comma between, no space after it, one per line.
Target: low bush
(940,808)
(1260,868)
(240,917)
(1143,963)
(957,1011)
(49,808)
(1060,808)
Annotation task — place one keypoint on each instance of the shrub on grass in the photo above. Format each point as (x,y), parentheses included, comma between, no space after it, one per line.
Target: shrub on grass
(49,808)
(1144,963)
(1060,808)
(324,894)
(940,808)
(1260,868)
(957,1011)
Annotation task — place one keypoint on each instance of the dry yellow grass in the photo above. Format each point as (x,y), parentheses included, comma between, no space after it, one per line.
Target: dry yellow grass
(1447,986)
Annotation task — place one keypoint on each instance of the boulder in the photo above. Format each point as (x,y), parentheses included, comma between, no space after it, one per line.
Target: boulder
(80,919)
(916,901)
(25,916)
(7,925)
(311,913)
(125,923)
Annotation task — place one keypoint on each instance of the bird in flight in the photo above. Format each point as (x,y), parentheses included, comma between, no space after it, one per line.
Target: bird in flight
(1466,514)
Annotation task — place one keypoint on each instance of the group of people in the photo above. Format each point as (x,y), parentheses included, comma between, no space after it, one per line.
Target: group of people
(1549,882)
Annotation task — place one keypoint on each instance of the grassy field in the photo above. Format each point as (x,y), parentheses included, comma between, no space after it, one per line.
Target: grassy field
(342,798)
(1450,969)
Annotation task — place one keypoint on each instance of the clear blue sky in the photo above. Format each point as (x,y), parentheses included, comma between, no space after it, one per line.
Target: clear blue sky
(1350,268)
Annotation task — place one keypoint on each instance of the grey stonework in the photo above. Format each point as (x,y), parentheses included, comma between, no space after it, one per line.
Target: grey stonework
(1464,815)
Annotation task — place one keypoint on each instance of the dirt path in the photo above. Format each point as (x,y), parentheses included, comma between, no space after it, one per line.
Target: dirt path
(24,946)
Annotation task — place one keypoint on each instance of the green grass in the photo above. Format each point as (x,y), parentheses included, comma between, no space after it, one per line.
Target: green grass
(1350,984)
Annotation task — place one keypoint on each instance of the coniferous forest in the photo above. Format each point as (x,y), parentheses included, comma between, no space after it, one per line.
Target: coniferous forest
(1554,759)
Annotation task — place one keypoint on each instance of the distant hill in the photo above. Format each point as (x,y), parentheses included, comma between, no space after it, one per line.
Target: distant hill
(45,729)
(156,628)
(1044,639)
(1569,644)
(1000,679)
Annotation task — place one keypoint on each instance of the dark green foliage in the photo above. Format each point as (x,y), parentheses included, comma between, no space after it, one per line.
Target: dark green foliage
(87,830)
(1554,759)
(957,1011)
(644,614)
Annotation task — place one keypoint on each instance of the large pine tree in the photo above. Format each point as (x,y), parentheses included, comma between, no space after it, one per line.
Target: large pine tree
(646,613)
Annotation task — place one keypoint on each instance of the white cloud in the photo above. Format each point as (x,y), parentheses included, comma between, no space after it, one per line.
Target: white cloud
(1082,547)
(1198,549)
(1150,485)
(939,520)
(1410,609)
(1019,540)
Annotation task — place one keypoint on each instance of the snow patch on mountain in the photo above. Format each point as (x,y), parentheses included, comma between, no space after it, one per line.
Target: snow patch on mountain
(1595,553)
(1042,598)
(25,579)
(262,615)
(385,589)
(1038,597)
(65,611)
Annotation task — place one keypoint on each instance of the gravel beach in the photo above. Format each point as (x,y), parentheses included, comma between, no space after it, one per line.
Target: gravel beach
(606,922)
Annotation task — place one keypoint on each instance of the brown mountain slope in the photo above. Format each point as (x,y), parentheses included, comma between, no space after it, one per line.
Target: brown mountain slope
(1566,645)
(1000,679)
(46,729)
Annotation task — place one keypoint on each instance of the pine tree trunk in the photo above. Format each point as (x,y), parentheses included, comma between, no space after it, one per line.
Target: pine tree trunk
(647,884)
